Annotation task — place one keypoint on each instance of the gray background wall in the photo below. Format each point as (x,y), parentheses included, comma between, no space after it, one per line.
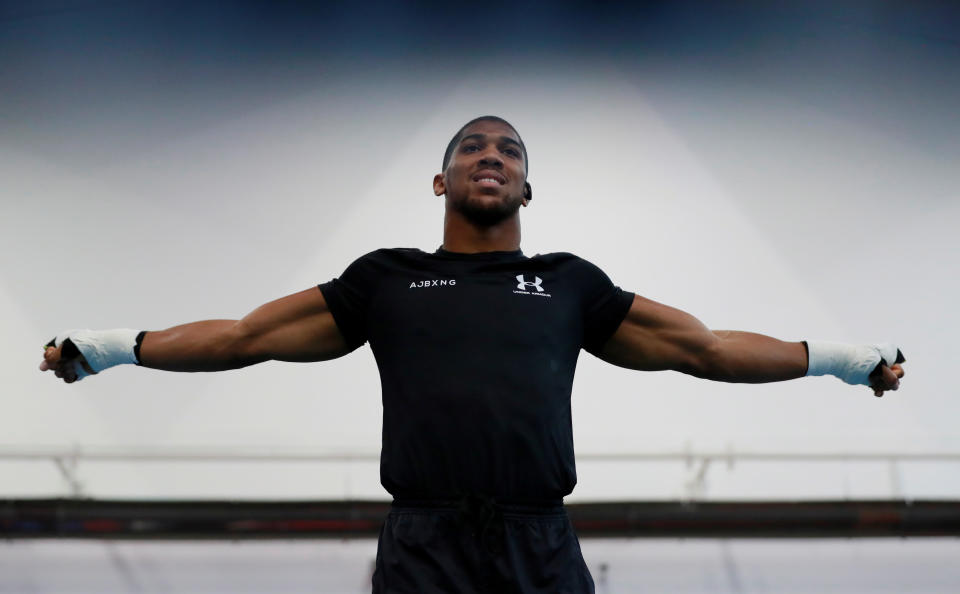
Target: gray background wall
(788,169)
(618,566)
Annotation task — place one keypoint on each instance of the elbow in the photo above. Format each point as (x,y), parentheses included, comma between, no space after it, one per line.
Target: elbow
(711,363)
(236,346)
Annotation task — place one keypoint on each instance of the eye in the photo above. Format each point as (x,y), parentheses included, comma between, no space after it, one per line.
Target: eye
(512,152)
(469,148)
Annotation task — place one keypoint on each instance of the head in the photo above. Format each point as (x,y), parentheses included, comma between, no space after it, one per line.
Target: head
(484,175)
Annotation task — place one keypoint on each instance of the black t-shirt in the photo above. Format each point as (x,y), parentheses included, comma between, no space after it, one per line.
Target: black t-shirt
(477,354)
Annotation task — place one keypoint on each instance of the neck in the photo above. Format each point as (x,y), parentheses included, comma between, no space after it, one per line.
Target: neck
(462,236)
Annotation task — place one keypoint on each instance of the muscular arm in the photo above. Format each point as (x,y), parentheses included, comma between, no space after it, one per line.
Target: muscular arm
(298,327)
(656,337)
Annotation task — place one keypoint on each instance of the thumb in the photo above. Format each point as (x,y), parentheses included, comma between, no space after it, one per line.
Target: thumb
(51,356)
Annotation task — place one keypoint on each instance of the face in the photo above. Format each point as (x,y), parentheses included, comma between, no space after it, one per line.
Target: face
(485,178)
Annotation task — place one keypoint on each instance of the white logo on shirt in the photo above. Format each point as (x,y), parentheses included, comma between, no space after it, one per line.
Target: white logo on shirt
(433,283)
(537,281)
(523,283)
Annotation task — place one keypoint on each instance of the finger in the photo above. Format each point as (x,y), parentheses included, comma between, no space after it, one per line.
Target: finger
(898,369)
(890,379)
(70,372)
(884,379)
(877,388)
(51,355)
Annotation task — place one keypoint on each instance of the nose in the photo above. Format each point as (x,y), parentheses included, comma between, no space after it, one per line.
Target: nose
(491,159)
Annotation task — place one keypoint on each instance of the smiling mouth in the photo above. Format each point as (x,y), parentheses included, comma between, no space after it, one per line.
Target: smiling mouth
(489,178)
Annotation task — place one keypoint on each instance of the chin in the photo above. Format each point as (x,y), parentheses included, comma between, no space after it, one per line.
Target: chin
(487,213)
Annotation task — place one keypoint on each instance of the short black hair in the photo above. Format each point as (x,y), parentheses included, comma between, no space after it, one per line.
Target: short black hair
(487,118)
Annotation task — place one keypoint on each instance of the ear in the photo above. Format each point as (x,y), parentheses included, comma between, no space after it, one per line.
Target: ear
(439,188)
(527,193)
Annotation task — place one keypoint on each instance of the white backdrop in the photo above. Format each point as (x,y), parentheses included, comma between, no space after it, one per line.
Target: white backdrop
(803,185)
(618,566)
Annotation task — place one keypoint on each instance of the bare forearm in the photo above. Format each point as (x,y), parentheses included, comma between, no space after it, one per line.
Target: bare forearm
(298,327)
(746,357)
(656,337)
(210,345)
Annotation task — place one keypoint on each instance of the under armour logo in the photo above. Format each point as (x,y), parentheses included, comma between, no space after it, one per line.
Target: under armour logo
(522,284)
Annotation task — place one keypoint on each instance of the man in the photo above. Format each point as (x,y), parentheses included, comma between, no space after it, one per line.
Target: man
(476,345)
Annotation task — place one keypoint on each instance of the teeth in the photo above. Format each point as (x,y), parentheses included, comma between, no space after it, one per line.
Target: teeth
(488,179)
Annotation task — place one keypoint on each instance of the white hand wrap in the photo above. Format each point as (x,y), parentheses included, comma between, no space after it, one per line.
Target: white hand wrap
(101,348)
(853,363)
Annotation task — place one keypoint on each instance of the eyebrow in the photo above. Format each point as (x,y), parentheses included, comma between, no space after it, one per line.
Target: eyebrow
(479,136)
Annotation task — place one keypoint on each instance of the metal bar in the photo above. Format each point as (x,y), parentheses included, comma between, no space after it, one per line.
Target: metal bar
(109,519)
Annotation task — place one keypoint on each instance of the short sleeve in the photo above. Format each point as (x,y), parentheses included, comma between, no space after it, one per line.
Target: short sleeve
(605,305)
(349,296)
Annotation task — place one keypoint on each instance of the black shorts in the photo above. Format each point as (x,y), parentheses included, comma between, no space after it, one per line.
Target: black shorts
(433,548)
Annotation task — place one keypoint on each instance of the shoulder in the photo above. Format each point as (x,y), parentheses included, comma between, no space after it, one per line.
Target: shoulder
(388,256)
(556,258)
(566,261)
(370,268)
(383,253)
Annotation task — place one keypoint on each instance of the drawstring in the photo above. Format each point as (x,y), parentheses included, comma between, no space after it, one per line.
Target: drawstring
(485,519)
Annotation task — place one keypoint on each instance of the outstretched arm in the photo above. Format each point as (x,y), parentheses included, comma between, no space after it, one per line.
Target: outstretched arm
(298,327)
(656,337)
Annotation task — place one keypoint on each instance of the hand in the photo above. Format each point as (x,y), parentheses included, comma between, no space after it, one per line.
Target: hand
(885,378)
(66,361)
